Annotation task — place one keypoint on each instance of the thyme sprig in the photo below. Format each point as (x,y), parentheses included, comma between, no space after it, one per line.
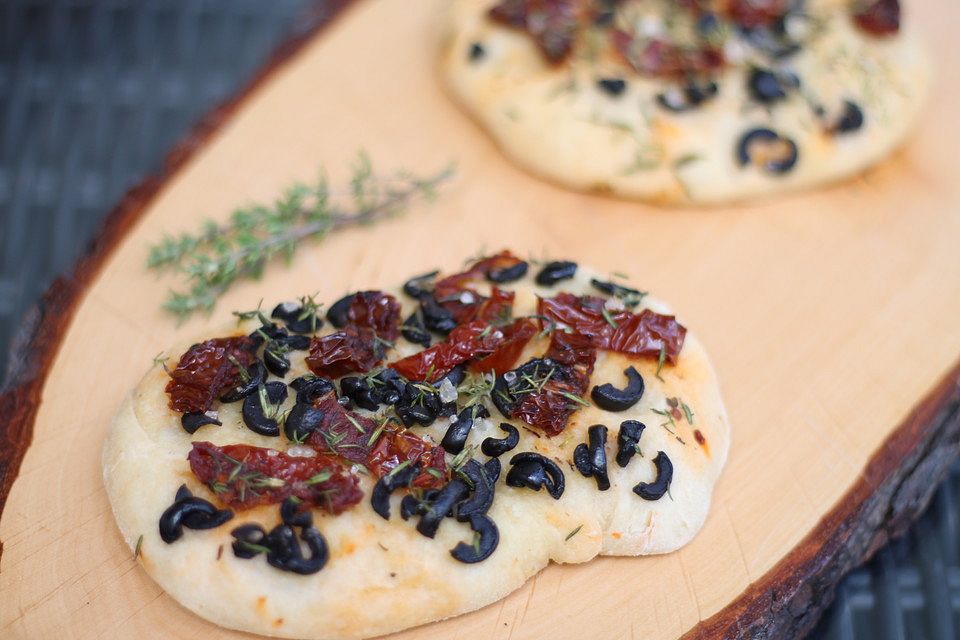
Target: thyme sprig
(213,259)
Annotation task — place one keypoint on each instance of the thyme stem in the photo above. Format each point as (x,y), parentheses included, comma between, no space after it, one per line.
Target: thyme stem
(220,254)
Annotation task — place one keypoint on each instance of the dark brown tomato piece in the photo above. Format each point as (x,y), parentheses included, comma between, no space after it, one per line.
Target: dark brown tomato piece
(878,17)
(395,446)
(515,338)
(206,370)
(378,311)
(756,13)
(663,59)
(573,350)
(351,350)
(637,334)
(553,24)
(470,342)
(243,476)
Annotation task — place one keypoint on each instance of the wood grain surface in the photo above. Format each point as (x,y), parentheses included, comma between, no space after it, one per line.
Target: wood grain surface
(831,318)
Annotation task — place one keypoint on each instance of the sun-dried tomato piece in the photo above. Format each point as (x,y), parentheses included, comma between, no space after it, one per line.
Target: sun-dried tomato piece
(515,338)
(662,59)
(878,17)
(359,439)
(351,350)
(456,294)
(497,309)
(573,350)
(395,446)
(553,24)
(756,13)
(543,392)
(467,343)
(644,334)
(243,476)
(207,369)
(378,311)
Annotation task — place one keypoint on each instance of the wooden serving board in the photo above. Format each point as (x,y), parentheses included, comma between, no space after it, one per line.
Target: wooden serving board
(833,319)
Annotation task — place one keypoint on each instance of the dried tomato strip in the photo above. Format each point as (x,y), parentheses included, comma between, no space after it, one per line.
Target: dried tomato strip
(244,476)
(206,370)
(645,334)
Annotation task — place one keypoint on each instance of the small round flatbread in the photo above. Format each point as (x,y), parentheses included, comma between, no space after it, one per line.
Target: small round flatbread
(593,122)
(382,575)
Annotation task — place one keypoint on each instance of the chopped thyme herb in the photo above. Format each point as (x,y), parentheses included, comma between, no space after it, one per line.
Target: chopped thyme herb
(398,468)
(250,315)
(573,533)
(356,425)
(687,411)
(608,317)
(323,476)
(576,399)
(662,358)
(252,546)
(476,543)
(138,548)
(436,473)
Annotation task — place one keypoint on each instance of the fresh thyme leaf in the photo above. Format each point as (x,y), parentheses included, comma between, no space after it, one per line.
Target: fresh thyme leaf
(687,412)
(137,549)
(252,546)
(573,533)
(660,360)
(219,254)
(576,399)
(323,476)
(398,468)
(608,317)
(436,473)
(476,543)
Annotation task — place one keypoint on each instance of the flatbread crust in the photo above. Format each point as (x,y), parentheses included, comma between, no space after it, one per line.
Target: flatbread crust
(555,122)
(382,576)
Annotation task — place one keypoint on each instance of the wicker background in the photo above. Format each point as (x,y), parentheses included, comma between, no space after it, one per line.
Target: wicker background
(93,92)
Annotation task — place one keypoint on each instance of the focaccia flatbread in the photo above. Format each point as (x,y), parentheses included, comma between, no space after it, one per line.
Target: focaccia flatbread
(695,102)
(382,575)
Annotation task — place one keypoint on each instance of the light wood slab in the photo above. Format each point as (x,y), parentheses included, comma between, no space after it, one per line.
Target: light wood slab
(829,317)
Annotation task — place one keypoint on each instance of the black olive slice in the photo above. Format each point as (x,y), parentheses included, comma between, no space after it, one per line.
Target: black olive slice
(296,319)
(493,468)
(773,163)
(441,506)
(508,274)
(418,286)
(337,313)
(285,553)
(359,390)
(414,329)
(292,514)
(435,317)
(310,388)
(627,440)
(487,541)
(476,52)
(591,460)
(687,97)
(191,512)
(396,479)
(267,398)
(456,376)
(767,87)
(411,505)
(247,537)
(608,397)
(255,375)
(302,420)
(455,439)
(276,362)
(533,471)
(850,120)
(494,447)
(629,297)
(297,343)
(554,272)
(481,494)
(196,419)
(656,489)
(612,86)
